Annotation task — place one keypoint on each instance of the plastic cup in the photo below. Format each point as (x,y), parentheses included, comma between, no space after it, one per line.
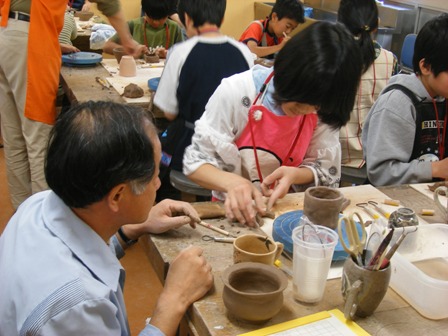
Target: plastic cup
(313,251)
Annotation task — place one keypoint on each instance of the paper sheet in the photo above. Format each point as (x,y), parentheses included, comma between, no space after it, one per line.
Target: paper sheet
(326,323)
(144,73)
(424,189)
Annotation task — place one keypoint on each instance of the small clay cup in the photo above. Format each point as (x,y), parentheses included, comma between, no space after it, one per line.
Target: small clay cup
(256,248)
(363,289)
(84,15)
(253,292)
(128,67)
(118,53)
(322,206)
(151,58)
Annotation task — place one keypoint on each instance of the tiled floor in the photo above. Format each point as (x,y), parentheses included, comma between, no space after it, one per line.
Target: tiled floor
(142,285)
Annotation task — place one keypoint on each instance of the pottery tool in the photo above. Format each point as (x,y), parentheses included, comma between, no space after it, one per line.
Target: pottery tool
(355,246)
(150,65)
(383,263)
(427,212)
(374,262)
(279,265)
(103,82)
(214,228)
(372,214)
(379,209)
(391,202)
(217,239)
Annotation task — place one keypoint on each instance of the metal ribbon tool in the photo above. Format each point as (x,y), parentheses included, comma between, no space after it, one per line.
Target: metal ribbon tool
(364,206)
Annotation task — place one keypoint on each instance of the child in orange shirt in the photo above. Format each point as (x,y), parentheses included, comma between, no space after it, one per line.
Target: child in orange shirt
(266,37)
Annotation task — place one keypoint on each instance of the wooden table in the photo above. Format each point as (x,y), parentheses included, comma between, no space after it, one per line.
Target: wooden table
(208,316)
(80,84)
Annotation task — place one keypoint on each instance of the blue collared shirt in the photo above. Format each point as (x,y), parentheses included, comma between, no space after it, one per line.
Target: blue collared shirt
(58,277)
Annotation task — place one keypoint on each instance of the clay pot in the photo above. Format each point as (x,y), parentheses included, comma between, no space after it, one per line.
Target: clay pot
(84,15)
(253,291)
(128,68)
(322,205)
(151,58)
(119,53)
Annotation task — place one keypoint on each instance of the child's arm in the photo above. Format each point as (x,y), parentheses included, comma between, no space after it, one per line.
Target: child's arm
(86,6)
(243,199)
(265,51)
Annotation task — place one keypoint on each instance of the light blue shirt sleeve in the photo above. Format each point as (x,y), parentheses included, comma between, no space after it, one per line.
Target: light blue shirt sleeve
(150,330)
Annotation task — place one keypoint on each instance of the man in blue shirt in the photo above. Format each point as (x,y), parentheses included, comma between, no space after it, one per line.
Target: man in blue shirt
(58,253)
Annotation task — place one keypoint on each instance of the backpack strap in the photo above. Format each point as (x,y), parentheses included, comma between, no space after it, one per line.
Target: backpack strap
(416,101)
(264,42)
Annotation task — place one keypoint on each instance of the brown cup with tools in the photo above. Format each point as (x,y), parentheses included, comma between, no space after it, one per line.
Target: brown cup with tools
(322,205)
(256,248)
(363,289)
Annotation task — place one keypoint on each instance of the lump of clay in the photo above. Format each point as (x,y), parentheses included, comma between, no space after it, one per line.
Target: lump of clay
(133,91)
(438,184)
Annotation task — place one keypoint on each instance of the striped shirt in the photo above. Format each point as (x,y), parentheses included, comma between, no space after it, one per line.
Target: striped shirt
(372,83)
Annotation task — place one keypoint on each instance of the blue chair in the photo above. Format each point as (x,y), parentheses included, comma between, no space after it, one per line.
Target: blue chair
(407,51)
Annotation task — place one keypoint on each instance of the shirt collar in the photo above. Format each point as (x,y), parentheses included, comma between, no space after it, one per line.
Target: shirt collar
(82,240)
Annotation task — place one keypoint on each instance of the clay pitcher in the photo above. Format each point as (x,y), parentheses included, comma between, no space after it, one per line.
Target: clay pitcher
(363,289)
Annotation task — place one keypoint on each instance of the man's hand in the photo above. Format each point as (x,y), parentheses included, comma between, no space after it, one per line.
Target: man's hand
(170,214)
(189,278)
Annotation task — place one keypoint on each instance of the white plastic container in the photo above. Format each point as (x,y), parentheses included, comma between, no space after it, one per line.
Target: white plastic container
(420,273)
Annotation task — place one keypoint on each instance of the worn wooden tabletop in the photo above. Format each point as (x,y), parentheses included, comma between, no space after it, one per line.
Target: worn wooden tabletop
(80,84)
(208,316)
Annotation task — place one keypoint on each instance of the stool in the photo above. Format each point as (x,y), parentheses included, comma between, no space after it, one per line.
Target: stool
(353,176)
(181,182)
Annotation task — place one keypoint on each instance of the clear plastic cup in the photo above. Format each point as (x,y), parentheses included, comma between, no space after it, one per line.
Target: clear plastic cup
(313,251)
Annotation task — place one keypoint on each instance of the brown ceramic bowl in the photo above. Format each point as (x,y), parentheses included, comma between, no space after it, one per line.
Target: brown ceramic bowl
(119,53)
(84,15)
(253,291)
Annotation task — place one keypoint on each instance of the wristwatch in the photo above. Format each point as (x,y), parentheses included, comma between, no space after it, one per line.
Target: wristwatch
(126,239)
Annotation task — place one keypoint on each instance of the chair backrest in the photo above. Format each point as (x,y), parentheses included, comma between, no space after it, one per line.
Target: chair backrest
(407,51)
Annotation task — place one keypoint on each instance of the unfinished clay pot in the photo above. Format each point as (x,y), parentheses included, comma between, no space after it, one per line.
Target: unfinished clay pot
(253,291)
(118,53)
(133,91)
(322,205)
(128,67)
(84,15)
(151,58)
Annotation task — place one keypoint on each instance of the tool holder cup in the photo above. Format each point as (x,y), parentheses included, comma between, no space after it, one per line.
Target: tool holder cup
(363,289)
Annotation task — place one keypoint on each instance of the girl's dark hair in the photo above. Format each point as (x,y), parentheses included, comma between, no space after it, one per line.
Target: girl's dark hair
(361,19)
(94,147)
(321,66)
(431,45)
(202,11)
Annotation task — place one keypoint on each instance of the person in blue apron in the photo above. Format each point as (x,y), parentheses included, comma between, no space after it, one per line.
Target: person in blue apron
(268,131)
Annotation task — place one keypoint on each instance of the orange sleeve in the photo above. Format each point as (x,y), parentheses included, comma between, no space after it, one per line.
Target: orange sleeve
(254,32)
